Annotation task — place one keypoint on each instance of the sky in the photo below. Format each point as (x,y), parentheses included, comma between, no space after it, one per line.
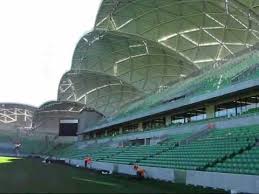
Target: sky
(37,40)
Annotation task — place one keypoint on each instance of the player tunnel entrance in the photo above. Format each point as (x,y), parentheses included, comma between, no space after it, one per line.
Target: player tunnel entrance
(68,127)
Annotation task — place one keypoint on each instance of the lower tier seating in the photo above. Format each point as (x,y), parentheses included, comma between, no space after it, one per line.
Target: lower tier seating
(231,150)
(197,155)
(74,152)
(134,154)
(173,139)
(206,151)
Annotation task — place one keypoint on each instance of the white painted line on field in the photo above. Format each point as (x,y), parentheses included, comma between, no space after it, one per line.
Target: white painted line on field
(92,181)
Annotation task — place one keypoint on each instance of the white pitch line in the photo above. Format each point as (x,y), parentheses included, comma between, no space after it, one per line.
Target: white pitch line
(92,181)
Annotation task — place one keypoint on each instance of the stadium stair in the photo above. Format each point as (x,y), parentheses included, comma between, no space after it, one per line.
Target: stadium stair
(198,135)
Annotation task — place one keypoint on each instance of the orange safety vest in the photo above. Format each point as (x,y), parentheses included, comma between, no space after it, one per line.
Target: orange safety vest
(88,160)
(141,171)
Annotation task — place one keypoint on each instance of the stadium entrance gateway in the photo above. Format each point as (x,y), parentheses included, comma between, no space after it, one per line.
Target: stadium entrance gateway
(68,127)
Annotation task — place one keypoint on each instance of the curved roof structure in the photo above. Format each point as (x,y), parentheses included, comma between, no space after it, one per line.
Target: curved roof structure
(144,64)
(202,31)
(101,92)
(63,106)
(18,114)
(142,46)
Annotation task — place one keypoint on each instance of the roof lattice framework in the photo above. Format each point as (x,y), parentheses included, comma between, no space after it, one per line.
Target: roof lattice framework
(203,31)
(101,92)
(142,46)
(145,64)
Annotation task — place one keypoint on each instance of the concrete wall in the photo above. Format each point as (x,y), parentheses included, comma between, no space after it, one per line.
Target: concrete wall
(240,121)
(88,119)
(150,172)
(48,122)
(235,182)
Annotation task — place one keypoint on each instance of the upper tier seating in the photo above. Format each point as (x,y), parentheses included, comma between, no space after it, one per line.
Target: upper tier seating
(211,80)
(252,110)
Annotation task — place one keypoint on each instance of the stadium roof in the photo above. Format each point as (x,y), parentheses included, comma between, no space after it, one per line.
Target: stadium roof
(101,92)
(66,106)
(145,64)
(202,31)
(142,46)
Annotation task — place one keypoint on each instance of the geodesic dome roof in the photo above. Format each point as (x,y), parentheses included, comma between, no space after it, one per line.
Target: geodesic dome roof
(141,46)
(142,63)
(101,92)
(202,31)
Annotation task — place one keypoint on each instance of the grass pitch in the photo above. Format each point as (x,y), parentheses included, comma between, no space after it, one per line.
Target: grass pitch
(32,176)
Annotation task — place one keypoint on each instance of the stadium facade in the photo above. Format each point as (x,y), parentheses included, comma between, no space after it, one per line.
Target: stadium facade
(170,85)
(49,116)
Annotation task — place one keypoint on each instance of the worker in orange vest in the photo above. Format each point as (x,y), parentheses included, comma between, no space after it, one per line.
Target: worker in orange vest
(88,161)
(140,172)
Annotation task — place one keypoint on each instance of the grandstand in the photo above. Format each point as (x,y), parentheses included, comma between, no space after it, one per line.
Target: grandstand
(172,86)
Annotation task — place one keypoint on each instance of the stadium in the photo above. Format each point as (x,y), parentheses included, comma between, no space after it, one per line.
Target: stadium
(166,86)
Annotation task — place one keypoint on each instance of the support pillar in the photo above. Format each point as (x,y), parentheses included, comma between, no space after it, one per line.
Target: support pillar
(168,120)
(140,126)
(210,111)
(120,130)
(81,137)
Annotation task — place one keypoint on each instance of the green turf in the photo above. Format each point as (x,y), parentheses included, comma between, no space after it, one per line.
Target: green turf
(32,176)
(7,159)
